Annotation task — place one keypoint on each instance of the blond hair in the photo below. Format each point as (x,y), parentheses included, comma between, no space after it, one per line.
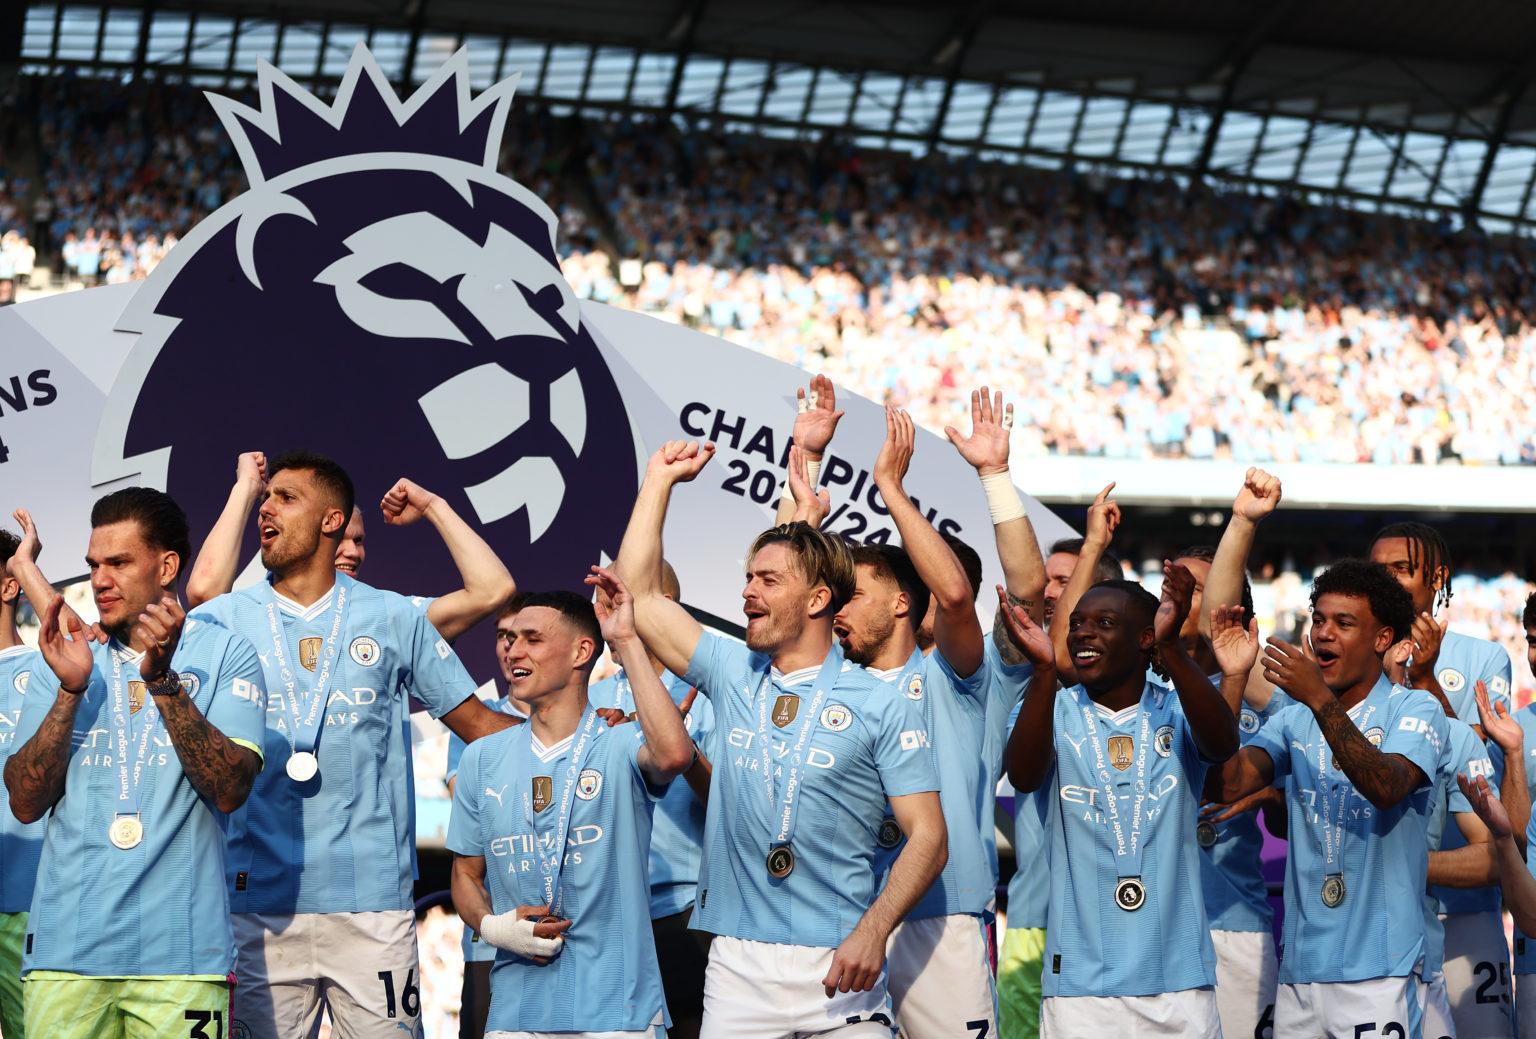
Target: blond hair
(824,558)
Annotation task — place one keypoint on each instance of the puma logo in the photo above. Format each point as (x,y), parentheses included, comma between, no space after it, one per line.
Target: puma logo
(496,793)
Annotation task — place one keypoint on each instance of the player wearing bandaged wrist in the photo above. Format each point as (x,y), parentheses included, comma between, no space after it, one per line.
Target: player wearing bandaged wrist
(146,734)
(551,826)
(1357,756)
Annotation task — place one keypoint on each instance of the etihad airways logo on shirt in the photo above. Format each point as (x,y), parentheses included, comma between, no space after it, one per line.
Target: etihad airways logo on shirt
(745,740)
(520,848)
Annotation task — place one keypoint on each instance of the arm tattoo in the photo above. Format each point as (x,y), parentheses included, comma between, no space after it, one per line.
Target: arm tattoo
(217,767)
(1384,779)
(1007,652)
(35,773)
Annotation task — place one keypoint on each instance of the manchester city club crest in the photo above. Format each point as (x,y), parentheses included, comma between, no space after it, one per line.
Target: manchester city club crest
(837,717)
(1248,720)
(190,683)
(19,683)
(309,652)
(543,792)
(378,238)
(1121,749)
(364,650)
(1451,680)
(785,708)
(915,687)
(588,783)
(1163,741)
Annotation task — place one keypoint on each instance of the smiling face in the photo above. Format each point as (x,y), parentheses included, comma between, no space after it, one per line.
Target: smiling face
(1058,571)
(545,651)
(1348,641)
(127,574)
(1406,560)
(295,513)
(778,599)
(350,552)
(868,620)
(1107,638)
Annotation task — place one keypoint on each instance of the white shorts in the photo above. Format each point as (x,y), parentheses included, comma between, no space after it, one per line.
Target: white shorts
(940,977)
(658,1032)
(1437,1023)
(1247,971)
(1379,1008)
(1189,1014)
(759,990)
(1525,1005)
(362,966)
(1477,974)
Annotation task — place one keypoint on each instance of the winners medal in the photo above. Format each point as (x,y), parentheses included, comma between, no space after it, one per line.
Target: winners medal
(890,834)
(1130,894)
(302,766)
(126,832)
(781,862)
(1333,890)
(1205,834)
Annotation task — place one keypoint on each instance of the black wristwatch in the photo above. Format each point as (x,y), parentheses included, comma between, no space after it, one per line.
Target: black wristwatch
(168,684)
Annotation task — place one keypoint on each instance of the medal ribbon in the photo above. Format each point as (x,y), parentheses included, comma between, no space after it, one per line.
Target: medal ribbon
(1128,848)
(129,771)
(306,711)
(784,808)
(1332,798)
(551,866)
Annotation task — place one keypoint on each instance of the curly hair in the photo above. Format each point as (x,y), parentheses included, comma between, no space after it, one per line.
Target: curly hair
(1529,618)
(1426,549)
(1144,603)
(1362,579)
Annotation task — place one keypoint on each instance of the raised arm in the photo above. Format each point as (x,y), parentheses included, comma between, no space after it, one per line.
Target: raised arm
(218,561)
(23,566)
(811,507)
(1518,884)
(668,750)
(487,584)
(858,961)
(1018,550)
(1031,752)
(816,418)
(217,767)
(35,772)
(1384,779)
(1103,518)
(669,630)
(1507,734)
(1258,497)
(956,632)
(1212,723)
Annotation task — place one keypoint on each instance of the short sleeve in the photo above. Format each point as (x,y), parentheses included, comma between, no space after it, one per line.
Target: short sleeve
(629,748)
(1008,680)
(238,707)
(717,665)
(42,691)
(455,752)
(1418,731)
(464,820)
(1496,677)
(438,678)
(975,686)
(903,751)
(1274,739)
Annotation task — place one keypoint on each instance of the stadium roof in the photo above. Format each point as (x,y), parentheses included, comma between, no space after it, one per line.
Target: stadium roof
(1412,106)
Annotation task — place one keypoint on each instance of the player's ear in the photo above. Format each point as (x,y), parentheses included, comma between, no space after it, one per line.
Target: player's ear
(10,588)
(333,521)
(1385,637)
(821,598)
(584,652)
(170,567)
(902,605)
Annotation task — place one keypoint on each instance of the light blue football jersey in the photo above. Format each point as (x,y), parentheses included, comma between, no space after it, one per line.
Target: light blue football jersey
(677,829)
(345,841)
(20,843)
(1092,946)
(1464,753)
(1471,761)
(1376,931)
(1029,889)
(1004,694)
(160,908)
(1236,898)
(605,977)
(954,713)
(1525,947)
(865,746)
(1462,663)
(475,951)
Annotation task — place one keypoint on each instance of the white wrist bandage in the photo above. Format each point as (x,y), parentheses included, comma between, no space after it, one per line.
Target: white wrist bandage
(1003,500)
(812,473)
(506,931)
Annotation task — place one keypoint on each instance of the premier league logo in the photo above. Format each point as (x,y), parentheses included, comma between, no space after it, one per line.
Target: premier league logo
(380,294)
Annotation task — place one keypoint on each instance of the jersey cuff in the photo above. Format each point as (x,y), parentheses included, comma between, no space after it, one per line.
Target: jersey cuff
(261,759)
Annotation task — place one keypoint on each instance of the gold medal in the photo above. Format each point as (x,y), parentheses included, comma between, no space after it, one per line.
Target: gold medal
(126,832)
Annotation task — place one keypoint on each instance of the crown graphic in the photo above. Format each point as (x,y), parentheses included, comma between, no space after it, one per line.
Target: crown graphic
(292,128)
